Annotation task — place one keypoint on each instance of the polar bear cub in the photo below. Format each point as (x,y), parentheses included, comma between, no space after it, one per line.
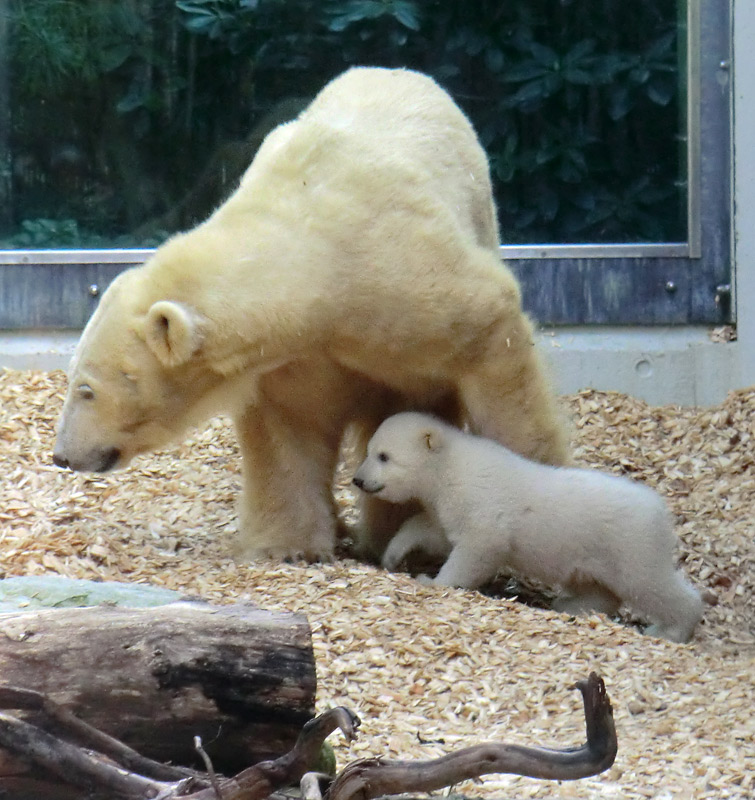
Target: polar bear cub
(604,540)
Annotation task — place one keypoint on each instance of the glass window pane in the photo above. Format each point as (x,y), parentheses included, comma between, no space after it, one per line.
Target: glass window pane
(124,120)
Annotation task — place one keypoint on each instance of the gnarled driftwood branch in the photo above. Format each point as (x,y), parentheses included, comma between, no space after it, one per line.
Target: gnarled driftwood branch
(121,773)
(362,780)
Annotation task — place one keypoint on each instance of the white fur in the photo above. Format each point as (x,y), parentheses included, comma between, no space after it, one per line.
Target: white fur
(354,273)
(604,539)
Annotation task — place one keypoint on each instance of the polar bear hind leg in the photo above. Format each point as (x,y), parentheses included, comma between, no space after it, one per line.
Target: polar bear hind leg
(506,397)
(663,597)
(588,597)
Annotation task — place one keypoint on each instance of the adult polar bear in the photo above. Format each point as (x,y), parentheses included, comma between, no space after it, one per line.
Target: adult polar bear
(354,273)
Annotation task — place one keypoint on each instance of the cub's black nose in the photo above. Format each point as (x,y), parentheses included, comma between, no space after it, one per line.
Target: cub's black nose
(358,482)
(59,461)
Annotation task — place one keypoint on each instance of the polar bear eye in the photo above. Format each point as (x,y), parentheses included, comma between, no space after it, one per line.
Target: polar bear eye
(383,457)
(86,392)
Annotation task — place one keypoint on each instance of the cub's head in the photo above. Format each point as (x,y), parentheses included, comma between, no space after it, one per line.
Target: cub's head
(403,458)
(132,380)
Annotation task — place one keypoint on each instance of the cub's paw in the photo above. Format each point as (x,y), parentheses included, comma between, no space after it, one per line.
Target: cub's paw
(393,556)
(425,580)
(671,633)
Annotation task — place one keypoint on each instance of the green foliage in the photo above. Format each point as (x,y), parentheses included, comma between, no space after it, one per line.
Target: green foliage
(46,233)
(57,42)
(577,104)
(580,116)
(219,19)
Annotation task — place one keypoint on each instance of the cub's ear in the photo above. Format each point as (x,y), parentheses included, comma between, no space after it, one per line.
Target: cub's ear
(433,440)
(173,332)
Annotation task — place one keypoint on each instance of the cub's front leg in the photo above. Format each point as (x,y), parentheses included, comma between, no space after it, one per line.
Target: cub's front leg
(465,568)
(286,508)
(419,532)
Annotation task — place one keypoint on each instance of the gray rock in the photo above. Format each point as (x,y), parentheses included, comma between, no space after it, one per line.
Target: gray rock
(55,591)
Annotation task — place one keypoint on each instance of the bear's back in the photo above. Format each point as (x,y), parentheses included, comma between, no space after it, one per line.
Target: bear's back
(377,133)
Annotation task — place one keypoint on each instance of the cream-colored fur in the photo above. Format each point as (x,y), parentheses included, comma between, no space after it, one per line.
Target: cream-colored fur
(604,539)
(353,274)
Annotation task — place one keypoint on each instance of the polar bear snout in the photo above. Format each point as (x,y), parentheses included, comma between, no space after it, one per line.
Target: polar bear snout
(371,487)
(60,461)
(102,460)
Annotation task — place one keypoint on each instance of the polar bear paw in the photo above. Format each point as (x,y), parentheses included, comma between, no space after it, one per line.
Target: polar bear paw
(283,553)
(417,533)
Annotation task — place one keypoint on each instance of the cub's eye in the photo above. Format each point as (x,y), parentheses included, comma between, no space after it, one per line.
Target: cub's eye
(383,457)
(86,392)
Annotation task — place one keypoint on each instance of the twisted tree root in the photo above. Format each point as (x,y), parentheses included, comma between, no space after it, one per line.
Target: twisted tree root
(362,780)
(116,772)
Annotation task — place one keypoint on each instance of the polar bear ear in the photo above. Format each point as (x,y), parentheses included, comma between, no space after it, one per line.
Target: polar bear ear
(432,440)
(173,332)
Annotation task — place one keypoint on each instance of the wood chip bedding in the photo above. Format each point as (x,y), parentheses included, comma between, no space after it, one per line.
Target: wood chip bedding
(431,669)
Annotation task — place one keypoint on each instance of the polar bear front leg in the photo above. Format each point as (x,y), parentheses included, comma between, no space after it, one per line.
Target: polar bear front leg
(466,568)
(419,532)
(595,601)
(286,508)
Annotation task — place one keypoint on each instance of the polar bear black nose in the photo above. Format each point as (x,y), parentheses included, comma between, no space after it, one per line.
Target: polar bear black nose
(358,482)
(59,461)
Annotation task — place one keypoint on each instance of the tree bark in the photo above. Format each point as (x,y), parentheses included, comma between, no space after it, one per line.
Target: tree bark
(241,678)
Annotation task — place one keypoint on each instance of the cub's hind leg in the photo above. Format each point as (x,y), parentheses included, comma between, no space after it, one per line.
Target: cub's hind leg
(583,594)
(597,600)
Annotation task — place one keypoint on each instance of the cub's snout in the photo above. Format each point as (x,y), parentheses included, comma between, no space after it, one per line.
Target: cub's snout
(366,485)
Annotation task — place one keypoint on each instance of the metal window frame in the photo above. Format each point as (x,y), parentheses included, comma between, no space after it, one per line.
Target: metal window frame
(663,283)
(658,283)
(692,248)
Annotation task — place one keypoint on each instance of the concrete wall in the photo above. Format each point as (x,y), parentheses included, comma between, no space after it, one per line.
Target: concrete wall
(744,187)
(683,365)
(660,365)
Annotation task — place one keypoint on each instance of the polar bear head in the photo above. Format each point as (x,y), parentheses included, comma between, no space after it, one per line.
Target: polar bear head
(404,458)
(133,379)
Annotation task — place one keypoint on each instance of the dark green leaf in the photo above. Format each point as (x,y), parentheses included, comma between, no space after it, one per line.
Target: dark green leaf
(535,90)
(579,76)
(525,71)
(546,56)
(619,103)
(661,91)
(407,14)
(579,51)
(494,59)
(113,57)
(639,74)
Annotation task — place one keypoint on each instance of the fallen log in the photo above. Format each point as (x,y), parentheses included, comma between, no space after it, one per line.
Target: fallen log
(360,780)
(241,678)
